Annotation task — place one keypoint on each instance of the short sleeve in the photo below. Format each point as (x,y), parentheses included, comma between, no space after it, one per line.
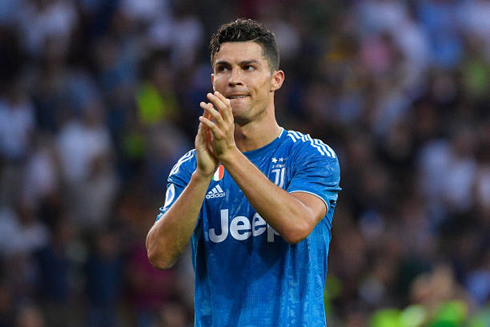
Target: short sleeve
(318,173)
(177,180)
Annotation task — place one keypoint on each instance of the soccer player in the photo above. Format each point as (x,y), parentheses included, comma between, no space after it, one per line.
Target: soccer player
(255,200)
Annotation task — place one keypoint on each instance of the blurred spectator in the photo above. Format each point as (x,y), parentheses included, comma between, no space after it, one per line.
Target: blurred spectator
(476,71)
(482,188)
(459,179)
(165,144)
(21,232)
(440,21)
(85,151)
(21,235)
(144,12)
(173,314)
(478,280)
(156,97)
(432,171)
(475,24)
(48,89)
(379,16)
(186,37)
(439,292)
(44,20)
(8,11)
(52,272)
(287,31)
(41,178)
(17,124)
(149,289)
(30,316)
(104,279)
(16,131)
(6,304)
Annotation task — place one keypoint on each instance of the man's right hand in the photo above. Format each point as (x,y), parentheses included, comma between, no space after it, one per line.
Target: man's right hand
(206,161)
(172,232)
(169,236)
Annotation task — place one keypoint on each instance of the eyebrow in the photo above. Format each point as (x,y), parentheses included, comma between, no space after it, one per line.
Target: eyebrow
(241,63)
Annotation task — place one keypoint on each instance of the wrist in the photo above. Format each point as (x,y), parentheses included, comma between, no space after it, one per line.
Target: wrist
(200,176)
(231,157)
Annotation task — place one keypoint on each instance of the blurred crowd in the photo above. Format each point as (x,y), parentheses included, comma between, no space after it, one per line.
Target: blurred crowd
(99,98)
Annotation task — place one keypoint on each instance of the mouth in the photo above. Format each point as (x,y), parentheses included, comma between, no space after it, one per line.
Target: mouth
(241,96)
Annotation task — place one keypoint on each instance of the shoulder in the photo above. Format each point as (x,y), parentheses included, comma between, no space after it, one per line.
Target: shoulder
(185,163)
(306,146)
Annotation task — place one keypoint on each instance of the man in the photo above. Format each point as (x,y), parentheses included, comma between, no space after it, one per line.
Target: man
(256,201)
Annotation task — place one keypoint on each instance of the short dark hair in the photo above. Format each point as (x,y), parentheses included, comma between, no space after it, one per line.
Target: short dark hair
(243,30)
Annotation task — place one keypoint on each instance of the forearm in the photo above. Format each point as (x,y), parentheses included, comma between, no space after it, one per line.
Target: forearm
(171,233)
(290,217)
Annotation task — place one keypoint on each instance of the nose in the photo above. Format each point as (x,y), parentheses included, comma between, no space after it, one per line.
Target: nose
(235,78)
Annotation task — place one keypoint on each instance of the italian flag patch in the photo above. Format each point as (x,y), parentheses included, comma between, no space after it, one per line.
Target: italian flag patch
(220,172)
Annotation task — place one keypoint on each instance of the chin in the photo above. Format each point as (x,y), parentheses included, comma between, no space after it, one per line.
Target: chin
(239,115)
(238,109)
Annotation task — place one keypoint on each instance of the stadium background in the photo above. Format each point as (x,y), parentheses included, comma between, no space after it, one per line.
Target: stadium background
(99,98)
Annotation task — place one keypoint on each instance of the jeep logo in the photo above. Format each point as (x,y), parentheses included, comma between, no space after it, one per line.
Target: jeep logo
(241,228)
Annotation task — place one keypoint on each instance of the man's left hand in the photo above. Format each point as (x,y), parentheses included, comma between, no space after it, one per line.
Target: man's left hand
(222,124)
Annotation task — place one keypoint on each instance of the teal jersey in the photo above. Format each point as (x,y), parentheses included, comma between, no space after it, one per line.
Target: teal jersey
(246,274)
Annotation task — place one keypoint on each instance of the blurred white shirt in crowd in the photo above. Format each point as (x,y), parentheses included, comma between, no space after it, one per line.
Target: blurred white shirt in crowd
(79,146)
(16,126)
(56,21)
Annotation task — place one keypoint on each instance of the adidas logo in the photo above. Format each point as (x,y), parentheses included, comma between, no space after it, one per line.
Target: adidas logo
(216,192)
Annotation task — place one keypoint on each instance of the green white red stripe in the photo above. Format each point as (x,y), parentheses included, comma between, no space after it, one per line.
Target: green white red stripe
(220,172)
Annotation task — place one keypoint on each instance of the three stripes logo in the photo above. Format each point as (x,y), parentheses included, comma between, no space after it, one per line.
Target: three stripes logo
(216,192)
(321,147)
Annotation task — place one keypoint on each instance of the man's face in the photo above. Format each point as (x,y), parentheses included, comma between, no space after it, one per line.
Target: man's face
(242,74)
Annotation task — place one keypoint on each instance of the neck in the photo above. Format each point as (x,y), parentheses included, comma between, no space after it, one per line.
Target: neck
(254,135)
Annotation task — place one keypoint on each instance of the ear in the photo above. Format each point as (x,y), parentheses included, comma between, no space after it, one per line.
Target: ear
(212,82)
(277,80)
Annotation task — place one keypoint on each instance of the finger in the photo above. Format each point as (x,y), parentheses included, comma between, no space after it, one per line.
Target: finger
(201,130)
(213,132)
(217,100)
(209,142)
(212,112)
(211,126)
(223,105)
(227,113)
(222,98)
(201,136)
(205,132)
(204,139)
(208,135)
(207,115)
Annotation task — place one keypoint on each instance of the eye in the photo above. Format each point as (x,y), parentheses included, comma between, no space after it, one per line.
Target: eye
(248,68)
(221,69)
